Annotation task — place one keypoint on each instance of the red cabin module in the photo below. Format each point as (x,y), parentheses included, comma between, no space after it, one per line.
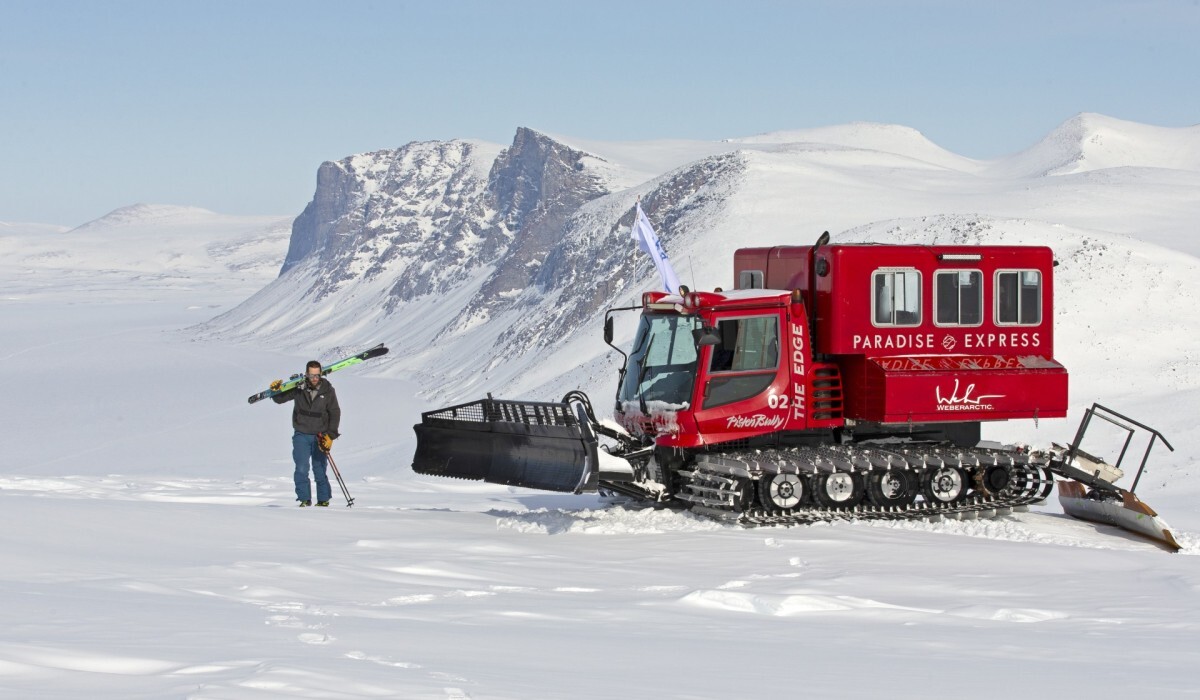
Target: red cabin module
(927,334)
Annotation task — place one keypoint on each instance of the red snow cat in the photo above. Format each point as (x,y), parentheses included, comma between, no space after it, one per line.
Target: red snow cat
(834,382)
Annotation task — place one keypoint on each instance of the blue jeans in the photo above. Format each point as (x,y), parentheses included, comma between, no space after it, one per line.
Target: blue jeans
(304,448)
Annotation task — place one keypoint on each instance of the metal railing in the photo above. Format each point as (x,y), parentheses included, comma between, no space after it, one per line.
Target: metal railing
(1107,414)
(491,410)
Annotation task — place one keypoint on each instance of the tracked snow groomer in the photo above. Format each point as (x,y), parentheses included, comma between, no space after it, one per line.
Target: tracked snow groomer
(835,381)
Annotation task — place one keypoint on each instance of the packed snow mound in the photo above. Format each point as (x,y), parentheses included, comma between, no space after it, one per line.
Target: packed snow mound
(869,136)
(1035,528)
(1089,142)
(605,521)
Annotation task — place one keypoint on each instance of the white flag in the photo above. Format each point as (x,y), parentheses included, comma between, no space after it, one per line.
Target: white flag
(648,241)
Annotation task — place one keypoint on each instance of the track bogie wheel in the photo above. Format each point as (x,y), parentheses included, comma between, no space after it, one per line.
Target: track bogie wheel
(839,489)
(992,480)
(945,485)
(891,487)
(782,492)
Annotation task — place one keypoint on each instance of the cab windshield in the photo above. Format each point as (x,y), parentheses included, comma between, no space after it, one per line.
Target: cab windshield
(662,364)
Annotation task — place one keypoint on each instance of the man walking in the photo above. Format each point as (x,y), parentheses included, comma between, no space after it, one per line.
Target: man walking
(315,418)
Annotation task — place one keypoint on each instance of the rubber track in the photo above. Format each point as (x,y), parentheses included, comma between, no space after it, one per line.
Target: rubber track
(1031,482)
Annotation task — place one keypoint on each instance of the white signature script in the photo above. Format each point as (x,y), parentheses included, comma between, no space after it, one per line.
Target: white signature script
(966,402)
(756,421)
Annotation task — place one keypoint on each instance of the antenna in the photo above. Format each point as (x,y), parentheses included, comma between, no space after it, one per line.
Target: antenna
(693,268)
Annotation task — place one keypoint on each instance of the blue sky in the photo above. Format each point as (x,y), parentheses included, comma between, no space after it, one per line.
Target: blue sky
(232,106)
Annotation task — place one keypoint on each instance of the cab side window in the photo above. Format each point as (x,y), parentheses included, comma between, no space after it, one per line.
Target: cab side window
(896,298)
(958,296)
(744,363)
(1018,297)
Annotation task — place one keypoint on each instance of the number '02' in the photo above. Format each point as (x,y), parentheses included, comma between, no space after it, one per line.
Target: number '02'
(779,401)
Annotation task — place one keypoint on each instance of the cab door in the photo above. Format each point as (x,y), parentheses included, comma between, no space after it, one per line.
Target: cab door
(744,378)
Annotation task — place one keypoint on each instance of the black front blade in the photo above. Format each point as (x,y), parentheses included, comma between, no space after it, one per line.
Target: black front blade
(518,443)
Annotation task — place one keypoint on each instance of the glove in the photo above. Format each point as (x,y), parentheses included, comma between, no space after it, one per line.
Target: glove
(325,442)
(275,385)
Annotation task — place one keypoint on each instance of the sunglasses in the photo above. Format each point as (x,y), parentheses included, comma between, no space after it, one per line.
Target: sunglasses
(313,376)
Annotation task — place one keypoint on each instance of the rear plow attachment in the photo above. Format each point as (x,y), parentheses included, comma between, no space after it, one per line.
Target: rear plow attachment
(1089,492)
(538,445)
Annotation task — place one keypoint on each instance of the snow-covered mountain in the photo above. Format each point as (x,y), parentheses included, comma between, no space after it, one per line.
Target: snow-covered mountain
(890,139)
(145,246)
(489,268)
(1089,142)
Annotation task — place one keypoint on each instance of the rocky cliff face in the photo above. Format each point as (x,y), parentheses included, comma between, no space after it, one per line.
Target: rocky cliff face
(593,262)
(428,214)
(535,186)
(396,213)
(461,244)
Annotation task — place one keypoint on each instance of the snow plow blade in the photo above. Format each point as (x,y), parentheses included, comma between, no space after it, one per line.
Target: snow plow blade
(537,445)
(1125,511)
(1089,492)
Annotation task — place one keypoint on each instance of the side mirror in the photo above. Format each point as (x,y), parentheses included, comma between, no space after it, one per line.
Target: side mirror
(706,336)
(608,330)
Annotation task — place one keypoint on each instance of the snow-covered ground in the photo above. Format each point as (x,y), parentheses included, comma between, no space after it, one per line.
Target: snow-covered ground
(211,587)
(152,547)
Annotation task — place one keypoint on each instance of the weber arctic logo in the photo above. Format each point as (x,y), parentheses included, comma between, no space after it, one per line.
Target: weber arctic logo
(757,420)
(966,401)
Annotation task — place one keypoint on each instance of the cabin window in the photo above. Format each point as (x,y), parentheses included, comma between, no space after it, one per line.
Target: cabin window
(745,362)
(747,344)
(750,279)
(958,298)
(1018,297)
(897,298)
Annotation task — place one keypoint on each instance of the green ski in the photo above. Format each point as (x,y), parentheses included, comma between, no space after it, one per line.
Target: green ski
(296,379)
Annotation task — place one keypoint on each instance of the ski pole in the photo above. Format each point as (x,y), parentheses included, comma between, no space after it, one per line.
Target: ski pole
(338,474)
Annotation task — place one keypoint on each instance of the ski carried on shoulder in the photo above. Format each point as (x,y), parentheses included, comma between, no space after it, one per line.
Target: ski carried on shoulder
(291,382)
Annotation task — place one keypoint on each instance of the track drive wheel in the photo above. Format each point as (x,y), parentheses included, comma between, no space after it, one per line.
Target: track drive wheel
(945,485)
(891,487)
(743,495)
(839,489)
(782,492)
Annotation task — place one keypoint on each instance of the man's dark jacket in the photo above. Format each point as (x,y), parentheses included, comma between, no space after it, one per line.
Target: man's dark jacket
(316,411)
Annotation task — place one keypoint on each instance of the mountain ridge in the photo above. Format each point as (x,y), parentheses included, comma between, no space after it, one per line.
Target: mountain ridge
(479,276)
(1088,142)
